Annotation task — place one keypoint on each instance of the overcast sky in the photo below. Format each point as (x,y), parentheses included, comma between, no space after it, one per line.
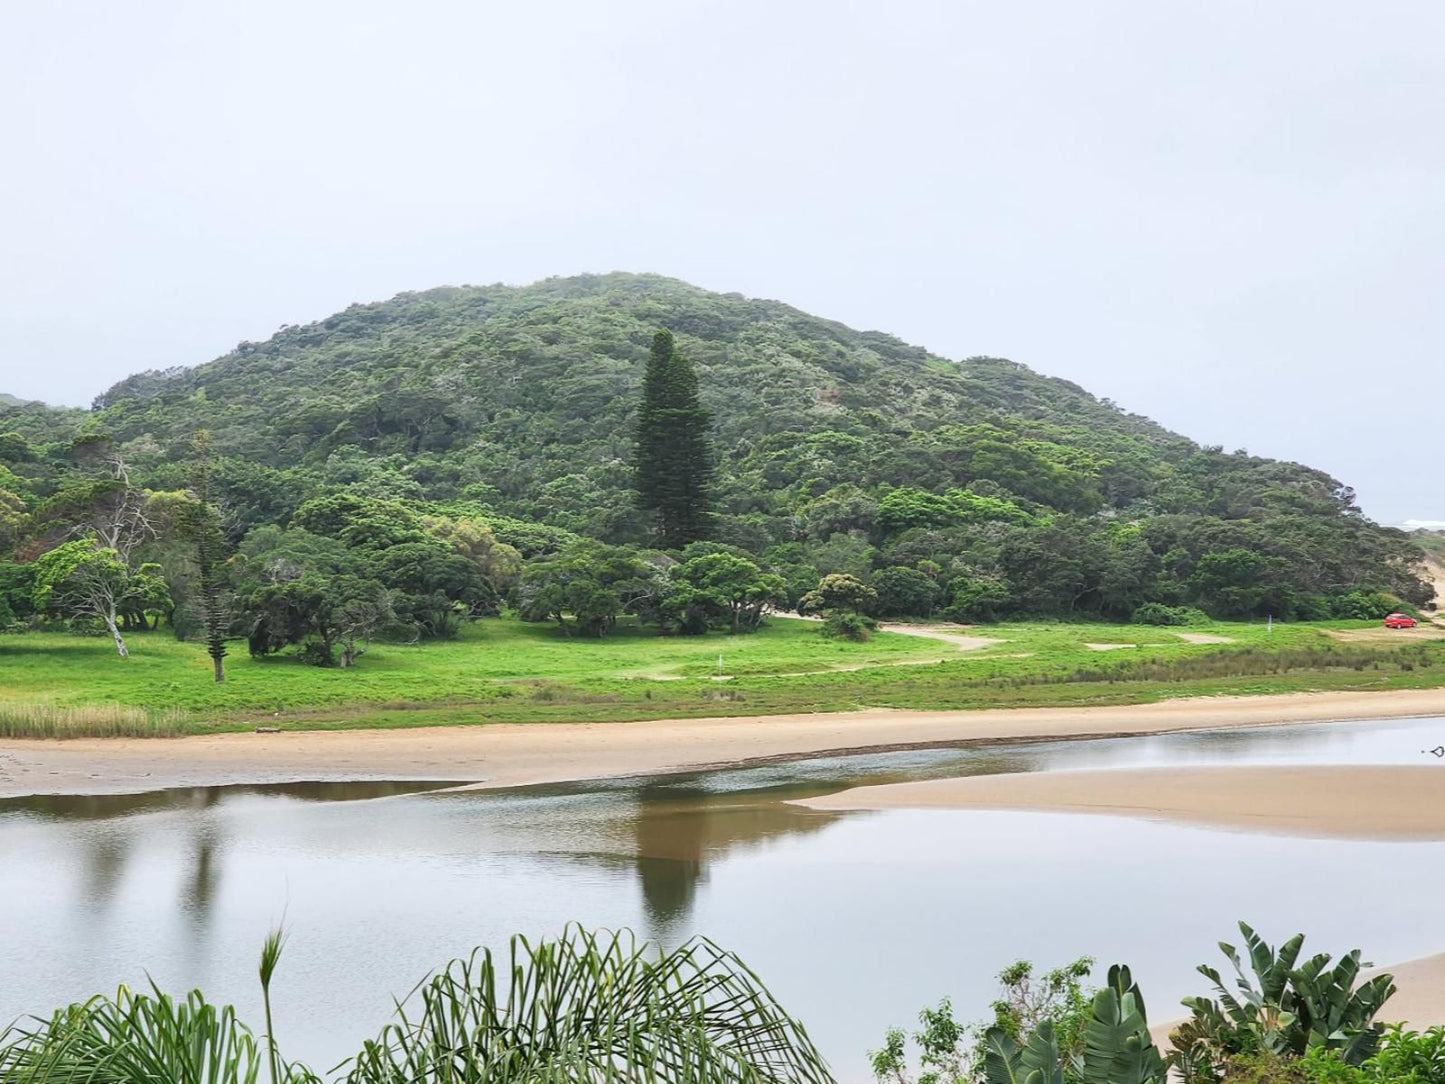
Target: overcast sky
(1229,216)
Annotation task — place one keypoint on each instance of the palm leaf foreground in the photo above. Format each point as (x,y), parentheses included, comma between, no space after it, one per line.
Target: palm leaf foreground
(584,1007)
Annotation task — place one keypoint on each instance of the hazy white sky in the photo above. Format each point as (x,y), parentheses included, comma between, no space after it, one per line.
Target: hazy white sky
(1227,215)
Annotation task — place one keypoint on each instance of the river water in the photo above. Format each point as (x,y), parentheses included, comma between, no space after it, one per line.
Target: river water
(855,920)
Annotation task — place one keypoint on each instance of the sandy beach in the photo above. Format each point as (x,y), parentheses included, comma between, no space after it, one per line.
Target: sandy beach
(514,755)
(1383,803)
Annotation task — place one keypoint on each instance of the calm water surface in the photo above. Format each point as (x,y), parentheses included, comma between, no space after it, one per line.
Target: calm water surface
(856,920)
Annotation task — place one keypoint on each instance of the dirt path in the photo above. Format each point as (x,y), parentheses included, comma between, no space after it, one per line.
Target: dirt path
(515,755)
(948,634)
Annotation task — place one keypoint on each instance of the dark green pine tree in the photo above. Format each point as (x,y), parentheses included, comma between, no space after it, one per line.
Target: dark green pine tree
(673,465)
(202,524)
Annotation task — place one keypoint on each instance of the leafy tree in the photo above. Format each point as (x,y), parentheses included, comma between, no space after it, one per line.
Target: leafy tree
(843,508)
(973,597)
(360,522)
(475,540)
(14,448)
(673,465)
(726,584)
(17,590)
(845,603)
(80,580)
(146,593)
(433,587)
(591,583)
(906,507)
(905,592)
(334,617)
(1240,583)
(298,588)
(839,592)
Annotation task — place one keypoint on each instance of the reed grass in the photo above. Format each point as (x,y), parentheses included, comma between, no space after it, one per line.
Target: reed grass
(1245,662)
(46,719)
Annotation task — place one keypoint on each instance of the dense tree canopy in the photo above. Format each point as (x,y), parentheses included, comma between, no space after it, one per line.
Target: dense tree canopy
(426,459)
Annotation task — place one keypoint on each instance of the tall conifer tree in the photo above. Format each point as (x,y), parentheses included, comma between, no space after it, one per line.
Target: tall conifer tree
(673,465)
(203,525)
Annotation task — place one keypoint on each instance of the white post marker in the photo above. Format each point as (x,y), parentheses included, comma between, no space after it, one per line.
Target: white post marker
(719,665)
(1271,624)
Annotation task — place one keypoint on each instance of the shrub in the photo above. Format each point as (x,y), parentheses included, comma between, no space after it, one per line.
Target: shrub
(847,625)
(1409,1056)
(952,1053)
(1156,613)
(1285,1006)
(1364,606)
(1265,1067)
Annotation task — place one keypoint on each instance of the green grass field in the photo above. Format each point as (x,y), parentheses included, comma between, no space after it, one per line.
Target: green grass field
(504,670)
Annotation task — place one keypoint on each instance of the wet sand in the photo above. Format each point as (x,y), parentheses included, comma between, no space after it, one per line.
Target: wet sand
(515,755)
(1377,802)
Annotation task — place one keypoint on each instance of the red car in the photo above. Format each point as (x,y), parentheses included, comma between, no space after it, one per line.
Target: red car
(1400,621)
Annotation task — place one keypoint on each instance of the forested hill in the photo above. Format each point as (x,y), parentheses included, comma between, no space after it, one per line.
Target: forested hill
(837,449)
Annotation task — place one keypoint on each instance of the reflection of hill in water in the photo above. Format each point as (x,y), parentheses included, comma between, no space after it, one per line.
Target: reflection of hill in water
(665,832)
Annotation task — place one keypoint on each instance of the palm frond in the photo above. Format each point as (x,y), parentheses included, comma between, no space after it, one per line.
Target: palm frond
(588,1007)
(136,1038)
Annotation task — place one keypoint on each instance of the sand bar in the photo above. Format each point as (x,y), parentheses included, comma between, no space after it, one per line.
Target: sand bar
(1338,802)
(514,755)
(1419,999)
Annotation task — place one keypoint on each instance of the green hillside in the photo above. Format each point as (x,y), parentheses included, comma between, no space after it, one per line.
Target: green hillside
(838,451)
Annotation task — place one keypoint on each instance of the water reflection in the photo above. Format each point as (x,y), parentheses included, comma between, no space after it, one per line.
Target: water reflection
(183,884)
(103,862)
(100,806)
(677,831)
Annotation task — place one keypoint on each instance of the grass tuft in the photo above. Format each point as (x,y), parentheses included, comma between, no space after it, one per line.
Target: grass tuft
(46,719)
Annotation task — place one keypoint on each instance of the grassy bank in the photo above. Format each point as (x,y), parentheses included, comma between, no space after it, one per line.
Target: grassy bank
(507,671)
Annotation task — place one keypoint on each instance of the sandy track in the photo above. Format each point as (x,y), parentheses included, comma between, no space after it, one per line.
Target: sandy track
(948,634)
(514,755)
(1378,802)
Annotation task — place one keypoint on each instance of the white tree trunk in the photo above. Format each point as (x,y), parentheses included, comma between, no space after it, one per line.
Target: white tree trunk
(120,648)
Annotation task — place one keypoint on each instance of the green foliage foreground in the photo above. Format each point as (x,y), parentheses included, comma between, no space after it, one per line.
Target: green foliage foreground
(583,1007)
(601,1007)
(1288,1022)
